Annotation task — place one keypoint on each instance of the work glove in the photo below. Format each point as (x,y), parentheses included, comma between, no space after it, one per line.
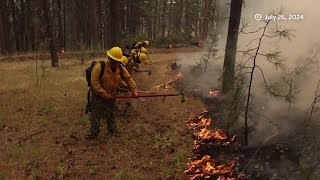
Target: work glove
(135,94)
(108,97)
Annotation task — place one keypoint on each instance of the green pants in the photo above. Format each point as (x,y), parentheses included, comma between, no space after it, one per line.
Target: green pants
(101,109)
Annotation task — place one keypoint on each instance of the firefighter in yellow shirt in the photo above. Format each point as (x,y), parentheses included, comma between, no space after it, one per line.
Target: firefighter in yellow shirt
(103,89)
(133,60)
(139,47)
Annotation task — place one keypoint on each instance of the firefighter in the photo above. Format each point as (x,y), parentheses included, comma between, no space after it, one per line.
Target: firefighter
(139,47)
(103,89)
(131,62)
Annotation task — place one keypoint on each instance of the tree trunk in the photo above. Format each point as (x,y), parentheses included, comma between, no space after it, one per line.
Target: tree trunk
(64,26)
(231,47)
(106,25)
(164,17)
(15,25)
(180,16)
(60,28)
(221,16)
(206,17)
(100,23)
(170,19)
(30,26)
(134,17)
(155,20)
(122,15)
(48,31)
(149,27)
(93,25)
(188,25)
(197,20)
(24,25)
(4,28)
(114,23)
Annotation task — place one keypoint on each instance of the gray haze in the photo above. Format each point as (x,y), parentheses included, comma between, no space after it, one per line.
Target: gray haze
(305,44)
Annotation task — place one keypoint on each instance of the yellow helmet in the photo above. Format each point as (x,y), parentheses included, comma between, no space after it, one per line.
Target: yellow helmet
(115,53)
(143,50)
(142,57)
(138,45)
(146,43)
(124,60)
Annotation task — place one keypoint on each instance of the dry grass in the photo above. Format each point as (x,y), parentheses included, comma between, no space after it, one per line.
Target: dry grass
(42,128)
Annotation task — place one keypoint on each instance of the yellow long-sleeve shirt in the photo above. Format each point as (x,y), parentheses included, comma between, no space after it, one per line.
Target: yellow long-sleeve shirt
(110,80)
(130,65)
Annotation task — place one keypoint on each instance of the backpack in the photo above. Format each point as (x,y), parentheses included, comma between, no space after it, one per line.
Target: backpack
(89,71)
(88,78)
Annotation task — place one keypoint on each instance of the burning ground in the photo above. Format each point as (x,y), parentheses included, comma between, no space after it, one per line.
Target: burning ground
(287,153)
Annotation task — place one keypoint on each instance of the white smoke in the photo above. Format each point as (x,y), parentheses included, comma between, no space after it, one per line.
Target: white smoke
(305,44)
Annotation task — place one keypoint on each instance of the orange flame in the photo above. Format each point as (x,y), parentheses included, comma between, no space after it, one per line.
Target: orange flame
(206,133)
(167,85)
(195,122)
(223,178)
(207,167)
(214,93)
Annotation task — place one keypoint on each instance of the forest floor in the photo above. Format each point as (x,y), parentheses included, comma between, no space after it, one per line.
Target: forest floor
(43,124)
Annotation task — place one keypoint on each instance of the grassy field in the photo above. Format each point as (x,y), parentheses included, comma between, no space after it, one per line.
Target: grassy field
(42,126)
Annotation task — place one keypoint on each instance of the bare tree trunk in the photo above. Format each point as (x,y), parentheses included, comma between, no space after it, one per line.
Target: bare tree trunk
(180,16)
(188,25)
(206,17)
(64,25)
(106,26)
(222,15)
(60,32)
(93,23)
(4,28)
(159,20)
(164,17)
(27,21)
(48,30)
(30,26)
(170,19)
(15,24)
(122,15)
(197,23)
(133,17)
(114,23)
(231,47)
(100,23)
(155,20)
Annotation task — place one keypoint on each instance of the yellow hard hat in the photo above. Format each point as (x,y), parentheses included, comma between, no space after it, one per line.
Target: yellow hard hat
(147,43)
(142,57)
(143,50)
(124,60)
(115,53)
(138,44)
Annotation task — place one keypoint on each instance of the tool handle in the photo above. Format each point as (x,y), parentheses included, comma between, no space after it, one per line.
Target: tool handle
(145,95)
